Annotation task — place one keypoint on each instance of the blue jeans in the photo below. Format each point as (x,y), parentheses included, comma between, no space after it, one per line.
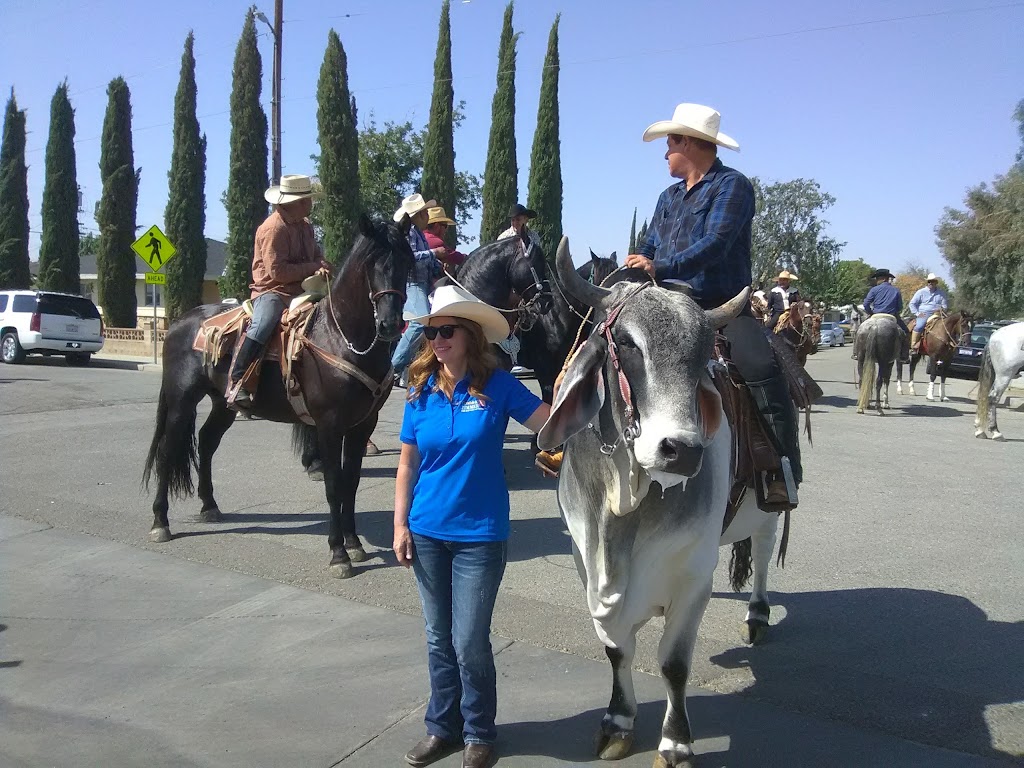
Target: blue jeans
(921,321)
(416,304)
(267,309)
(458,582)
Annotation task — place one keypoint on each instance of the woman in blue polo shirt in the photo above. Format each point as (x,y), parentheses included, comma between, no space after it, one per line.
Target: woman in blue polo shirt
(452,513)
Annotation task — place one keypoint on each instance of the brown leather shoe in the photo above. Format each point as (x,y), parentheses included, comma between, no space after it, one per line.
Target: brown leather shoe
(429,750)
(479,756)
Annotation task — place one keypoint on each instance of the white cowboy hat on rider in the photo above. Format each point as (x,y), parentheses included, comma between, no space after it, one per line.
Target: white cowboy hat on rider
(412,205)
(932,278)
(453,301)
(290,189)
(692,120)
(786,275)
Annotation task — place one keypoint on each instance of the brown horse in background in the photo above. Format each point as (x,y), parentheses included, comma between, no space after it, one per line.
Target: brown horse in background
(801,329)
(938,342)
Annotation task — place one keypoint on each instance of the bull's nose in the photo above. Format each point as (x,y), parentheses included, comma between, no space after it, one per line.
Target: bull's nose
(679,457)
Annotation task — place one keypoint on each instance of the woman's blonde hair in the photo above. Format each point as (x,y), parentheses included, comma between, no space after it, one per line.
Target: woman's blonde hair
(480,364)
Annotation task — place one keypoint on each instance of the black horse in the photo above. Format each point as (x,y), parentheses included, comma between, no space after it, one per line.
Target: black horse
(545,338)
(357,324)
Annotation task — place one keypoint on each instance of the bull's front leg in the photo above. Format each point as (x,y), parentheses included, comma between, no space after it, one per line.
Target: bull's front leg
(615,739)
(675,653)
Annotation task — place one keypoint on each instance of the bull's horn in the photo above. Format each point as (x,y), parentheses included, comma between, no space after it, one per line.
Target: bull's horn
(580,289)
(730,310)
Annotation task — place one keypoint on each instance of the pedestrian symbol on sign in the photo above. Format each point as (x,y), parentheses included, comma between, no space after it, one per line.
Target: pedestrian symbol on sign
(154,248)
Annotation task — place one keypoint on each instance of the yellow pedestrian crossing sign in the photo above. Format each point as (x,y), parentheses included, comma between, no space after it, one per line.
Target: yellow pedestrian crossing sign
(154,248)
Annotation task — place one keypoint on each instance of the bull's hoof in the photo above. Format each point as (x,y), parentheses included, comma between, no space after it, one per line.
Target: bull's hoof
(342,570)
(614,745)
(674,759)
(160,535)
(754,631)
(356,554)
(211,515)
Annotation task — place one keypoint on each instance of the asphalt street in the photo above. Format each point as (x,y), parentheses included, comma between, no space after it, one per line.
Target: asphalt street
(898,620)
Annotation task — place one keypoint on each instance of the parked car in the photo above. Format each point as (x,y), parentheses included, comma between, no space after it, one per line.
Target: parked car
(967,359)
(832,335)
(46,323)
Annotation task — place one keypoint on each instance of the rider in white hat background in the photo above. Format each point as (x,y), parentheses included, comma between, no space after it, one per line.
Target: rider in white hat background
(417,289)
(925,303)
(781,296)
(285,254)
(700,234)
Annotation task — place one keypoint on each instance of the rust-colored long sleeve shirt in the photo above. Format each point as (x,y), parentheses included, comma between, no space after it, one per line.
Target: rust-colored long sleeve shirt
(286,253)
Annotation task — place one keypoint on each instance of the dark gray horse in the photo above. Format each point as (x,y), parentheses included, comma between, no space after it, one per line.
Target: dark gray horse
(876,345)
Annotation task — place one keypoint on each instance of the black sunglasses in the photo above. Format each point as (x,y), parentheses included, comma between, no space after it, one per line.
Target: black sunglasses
(446,331)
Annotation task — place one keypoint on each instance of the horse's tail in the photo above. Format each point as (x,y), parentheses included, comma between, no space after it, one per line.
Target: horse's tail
(173,450)
(986,377)
(740,568)
(868,373)
(304,440)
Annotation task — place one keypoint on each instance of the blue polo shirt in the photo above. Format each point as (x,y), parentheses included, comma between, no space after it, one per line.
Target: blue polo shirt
(460,494)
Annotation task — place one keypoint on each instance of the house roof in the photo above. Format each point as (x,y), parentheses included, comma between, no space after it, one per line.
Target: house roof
(216,258)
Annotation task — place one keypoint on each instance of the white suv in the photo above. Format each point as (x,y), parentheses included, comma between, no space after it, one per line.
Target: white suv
(45,323)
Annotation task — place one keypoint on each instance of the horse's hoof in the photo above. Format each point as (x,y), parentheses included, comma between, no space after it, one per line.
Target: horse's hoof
(753,631)
(981,434)
(316,475)
(929,398)
(860,410)
(211,515)
(945,400)
(356,554)
(998,437)
(160,535)
(615,745)
(342,570)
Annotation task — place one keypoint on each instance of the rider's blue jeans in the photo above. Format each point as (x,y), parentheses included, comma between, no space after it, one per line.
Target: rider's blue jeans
(267,309)
(458,582)
(416,305)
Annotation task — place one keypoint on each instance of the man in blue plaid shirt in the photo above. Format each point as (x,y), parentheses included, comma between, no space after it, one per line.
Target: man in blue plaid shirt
(700,235)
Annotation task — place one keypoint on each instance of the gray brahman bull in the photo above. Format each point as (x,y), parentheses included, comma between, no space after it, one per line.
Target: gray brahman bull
(637,409)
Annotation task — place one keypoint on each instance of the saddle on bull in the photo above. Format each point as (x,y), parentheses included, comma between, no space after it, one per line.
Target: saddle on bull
(639,407)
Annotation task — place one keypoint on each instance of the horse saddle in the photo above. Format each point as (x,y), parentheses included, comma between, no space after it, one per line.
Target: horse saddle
(220,338)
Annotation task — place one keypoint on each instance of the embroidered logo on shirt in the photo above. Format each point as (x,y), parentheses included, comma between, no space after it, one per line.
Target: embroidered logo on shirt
(472,404)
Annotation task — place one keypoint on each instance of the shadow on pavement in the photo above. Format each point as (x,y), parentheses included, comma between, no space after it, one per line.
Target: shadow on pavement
(917,664)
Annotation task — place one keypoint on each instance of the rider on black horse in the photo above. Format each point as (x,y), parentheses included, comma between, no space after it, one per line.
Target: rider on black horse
(700,234)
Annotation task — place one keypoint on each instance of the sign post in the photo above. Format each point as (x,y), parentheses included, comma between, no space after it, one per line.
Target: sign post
(156,250)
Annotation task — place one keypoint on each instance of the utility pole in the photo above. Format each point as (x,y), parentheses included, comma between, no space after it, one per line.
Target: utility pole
(275,102)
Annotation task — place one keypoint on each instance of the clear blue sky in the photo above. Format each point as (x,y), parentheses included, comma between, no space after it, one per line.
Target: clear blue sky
(895,118)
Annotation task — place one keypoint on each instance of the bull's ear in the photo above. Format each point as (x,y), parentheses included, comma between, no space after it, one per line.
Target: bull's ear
(580,397)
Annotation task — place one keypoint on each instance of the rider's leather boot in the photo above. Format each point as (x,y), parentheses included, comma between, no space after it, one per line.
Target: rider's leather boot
(250,351)
(915,342)
(779,414)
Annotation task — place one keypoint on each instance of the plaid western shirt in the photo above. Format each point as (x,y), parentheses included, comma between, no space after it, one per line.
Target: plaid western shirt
(702,235)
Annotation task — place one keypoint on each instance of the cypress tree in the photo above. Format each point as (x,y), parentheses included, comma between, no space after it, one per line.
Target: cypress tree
(247,175)
(501,172)
(339,152)
(58,250)
(439,150)
(632,234)
(115,259)
(641,236)
(185,216)
(545,188)
(14,270)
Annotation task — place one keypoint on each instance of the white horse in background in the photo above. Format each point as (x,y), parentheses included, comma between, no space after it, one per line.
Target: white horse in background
(1004,358)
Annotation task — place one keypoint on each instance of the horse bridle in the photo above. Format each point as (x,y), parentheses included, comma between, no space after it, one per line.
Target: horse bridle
(540,286)
(631,430)
(373,303)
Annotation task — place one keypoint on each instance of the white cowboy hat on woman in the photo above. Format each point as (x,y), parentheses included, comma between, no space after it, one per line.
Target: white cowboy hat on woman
(412,205)
(290,189)
(453,301)
(692,120)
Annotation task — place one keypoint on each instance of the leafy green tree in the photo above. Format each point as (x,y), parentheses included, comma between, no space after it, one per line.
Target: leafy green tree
(439,146)
(247,164)
(851,281)
(185,216)
(789,233)
(88,245)
(14,258)
(632,234)
(115,260)
(339,153)
(58,250)
(501,185)
(641,236)
(545,187)
(391,167)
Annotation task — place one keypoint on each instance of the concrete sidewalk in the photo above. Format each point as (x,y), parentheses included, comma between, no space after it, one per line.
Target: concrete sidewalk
(115,656)
(129,362)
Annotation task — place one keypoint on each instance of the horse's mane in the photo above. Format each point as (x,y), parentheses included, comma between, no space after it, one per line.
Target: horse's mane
(386,235)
